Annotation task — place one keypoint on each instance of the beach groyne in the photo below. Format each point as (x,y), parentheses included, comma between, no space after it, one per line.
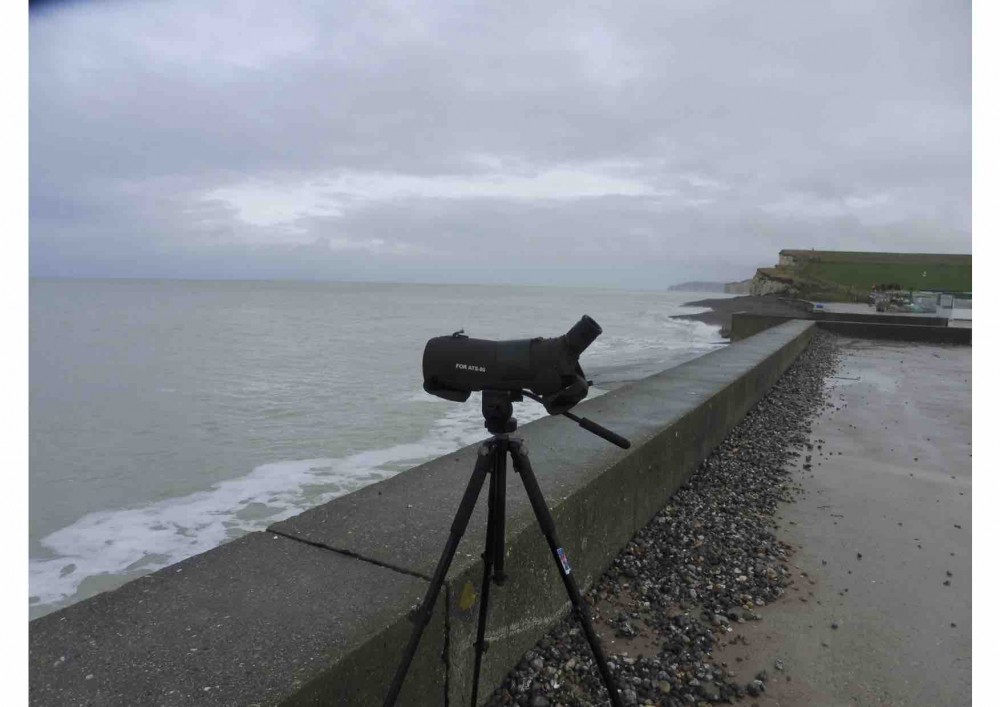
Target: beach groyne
(927,330)
(823,315)
(315,610)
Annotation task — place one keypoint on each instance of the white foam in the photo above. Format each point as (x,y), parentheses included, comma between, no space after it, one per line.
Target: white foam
(656,341)
(127,541)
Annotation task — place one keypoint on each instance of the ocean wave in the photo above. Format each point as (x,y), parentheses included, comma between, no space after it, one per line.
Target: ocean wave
(133,541)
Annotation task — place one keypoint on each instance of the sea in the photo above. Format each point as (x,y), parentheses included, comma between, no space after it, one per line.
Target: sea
(168,417)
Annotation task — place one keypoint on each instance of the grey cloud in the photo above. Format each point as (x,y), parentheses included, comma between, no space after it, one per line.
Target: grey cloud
(141,110)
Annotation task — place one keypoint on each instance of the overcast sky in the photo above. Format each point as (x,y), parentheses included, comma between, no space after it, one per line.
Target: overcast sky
(628,144)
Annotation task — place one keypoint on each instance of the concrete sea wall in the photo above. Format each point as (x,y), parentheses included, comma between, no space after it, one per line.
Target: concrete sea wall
(314,611)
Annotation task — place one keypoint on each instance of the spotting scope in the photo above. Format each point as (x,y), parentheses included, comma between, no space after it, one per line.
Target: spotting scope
(547,371)
(456,365)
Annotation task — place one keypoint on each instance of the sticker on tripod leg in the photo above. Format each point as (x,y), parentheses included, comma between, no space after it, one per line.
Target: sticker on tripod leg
(563,559)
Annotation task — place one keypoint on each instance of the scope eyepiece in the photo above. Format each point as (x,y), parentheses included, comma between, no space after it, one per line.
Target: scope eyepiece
(582,335)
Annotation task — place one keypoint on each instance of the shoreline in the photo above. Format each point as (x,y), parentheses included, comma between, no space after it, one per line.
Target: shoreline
(721,310)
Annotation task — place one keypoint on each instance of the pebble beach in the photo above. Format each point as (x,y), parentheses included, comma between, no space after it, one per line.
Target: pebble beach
(708,561)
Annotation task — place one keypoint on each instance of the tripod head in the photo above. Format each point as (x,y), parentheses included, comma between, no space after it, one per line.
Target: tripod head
(498,412)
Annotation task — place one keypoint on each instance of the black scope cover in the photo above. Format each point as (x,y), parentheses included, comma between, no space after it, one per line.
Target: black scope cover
(456,365)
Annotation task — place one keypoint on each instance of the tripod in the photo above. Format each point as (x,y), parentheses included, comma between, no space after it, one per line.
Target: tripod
(492,459)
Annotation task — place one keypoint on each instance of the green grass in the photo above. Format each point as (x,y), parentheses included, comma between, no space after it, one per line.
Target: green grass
(917,276)
(870,257)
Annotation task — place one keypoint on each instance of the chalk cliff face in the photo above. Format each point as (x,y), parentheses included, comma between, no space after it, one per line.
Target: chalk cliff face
(768,281)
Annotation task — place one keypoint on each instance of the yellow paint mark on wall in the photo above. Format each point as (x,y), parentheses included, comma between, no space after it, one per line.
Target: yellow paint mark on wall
(467,599)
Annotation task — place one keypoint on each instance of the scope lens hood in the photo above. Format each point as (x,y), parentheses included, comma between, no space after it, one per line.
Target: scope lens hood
(582,335)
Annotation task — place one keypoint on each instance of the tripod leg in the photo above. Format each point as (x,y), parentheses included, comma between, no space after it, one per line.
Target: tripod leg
(422,617)
(522,465)
(488,558)
(500,513)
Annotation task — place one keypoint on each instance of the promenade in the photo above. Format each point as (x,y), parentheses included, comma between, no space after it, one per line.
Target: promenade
(880,611)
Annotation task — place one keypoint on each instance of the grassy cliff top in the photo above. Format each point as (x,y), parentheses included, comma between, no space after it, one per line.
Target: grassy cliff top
(846,256)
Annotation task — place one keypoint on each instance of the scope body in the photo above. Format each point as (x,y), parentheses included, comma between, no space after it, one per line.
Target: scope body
(456,365)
